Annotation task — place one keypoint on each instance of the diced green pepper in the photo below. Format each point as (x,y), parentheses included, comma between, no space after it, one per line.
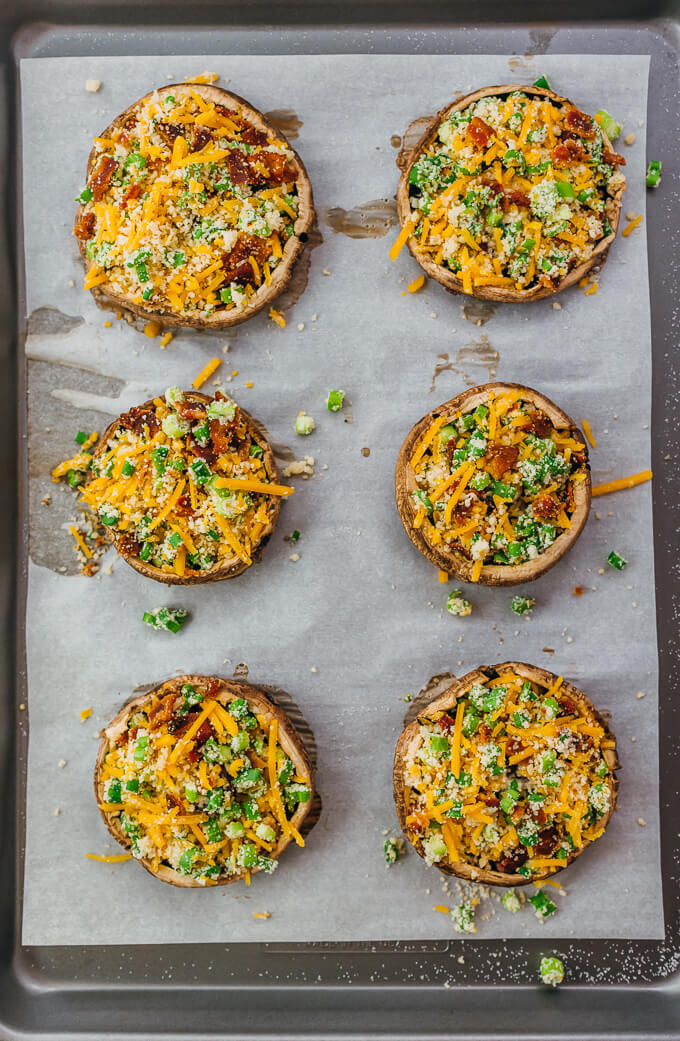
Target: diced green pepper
(542,82)
(334,400)
(616,561)
(542,904)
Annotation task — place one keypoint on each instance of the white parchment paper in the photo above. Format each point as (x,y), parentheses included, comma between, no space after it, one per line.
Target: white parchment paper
(358,621)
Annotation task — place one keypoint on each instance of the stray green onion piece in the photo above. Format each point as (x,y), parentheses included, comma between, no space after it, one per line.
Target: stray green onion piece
(464,917)
(551,971)
(542,904)
(611,128)
(511,901)
(393,849)
(80,438)
(522,604)
(653,174)
(304,424)
(169,618)
(334,400)
(542,82)
(457,604)
(617,561)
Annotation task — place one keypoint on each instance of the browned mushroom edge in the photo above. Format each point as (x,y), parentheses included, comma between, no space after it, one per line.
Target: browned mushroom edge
(229,690)
(109,297)
(447,700)
(499,294)
(452,561)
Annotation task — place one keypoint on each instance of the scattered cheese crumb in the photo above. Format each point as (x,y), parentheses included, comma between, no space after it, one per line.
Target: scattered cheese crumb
(300,467)
(107,325)
(640,694)
(557,306)
(250,384)
(326,271)
(301,326)
(204,77)
(22,707)
(92,86)
(166,340)
(261,914)
(85,714)
(642,822)
(277,317)
(313,669)
(629,139)
(152,329)
(62,763)
(294,557)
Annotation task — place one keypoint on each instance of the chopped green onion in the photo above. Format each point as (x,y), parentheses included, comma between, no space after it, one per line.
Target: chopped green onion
(392,849)
(542,904)
(169,618)
(201,471)
(511,901)
(617,561)
(457,604)
(522,604)
(141,747)
(84,196)
(334,400)
(653,174)
(304,424)
(611,128)
(551,971)
(128,468)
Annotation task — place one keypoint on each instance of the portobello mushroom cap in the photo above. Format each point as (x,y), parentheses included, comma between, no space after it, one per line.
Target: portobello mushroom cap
(501,294)
(113,299)
(231,566)
(288,738)
(409,738)
(451,559)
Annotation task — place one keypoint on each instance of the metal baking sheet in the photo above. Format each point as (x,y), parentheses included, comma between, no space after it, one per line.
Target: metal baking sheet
(39,985)
(360,618)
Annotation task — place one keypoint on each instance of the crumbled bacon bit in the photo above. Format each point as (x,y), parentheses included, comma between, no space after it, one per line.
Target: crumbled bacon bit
(568,151)
(480,132)
(277,167)
(133,192)
(545,507)
(253,136)
(514,196)
(169,131)
(139,417)
(84,226)
(183,506)
(513,860)
(237,267)
(200,139)
(500,458)
(101,178)
(204,732)
(161,712)
(447,723)
(578,591)
(613,158)
(579,122)
(540,425)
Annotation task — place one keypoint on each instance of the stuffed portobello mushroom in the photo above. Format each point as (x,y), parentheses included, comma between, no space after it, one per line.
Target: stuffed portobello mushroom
(204,780)
(494,485)
(506,777)
(185,487)
(194,211)
(512,194)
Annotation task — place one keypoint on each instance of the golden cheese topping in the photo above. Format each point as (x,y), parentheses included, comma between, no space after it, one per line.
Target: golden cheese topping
(188,206)
(514,778)
(513,192)
(182,484)
(496,483)
(201,787)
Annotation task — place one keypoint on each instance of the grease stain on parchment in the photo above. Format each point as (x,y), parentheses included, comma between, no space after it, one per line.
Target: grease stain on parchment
(412,135)
(435,686)
(479,312)
(476,355)
(300,274)
(50,321)
(367,220)
(287,121)
(521,66)
(540,40)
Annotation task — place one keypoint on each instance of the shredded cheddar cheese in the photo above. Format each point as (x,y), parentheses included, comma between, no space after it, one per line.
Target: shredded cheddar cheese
(622,483)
